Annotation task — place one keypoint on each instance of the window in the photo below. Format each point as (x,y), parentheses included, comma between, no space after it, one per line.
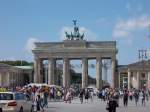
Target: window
(131,74)
(19,96)
(143,75)
(6,96)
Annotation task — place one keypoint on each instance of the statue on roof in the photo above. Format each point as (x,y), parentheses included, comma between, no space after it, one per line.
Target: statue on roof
(75,35)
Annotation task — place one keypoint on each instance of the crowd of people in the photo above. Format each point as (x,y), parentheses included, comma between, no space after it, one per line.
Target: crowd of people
(112,97)
(40,95)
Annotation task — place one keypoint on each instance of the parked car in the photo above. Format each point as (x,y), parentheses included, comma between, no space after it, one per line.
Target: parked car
(14,102)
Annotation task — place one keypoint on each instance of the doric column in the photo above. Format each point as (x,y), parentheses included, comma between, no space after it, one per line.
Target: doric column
(51,71)
(119,79)
(37,70)
(148,80)
(66,77)
(8,79)
(138,76)
(55,72)
(114,77)
(1,80)
(30,77)
(13,80)
(84,72)
(17,78)
(129,75)
(98,73)
(41,71)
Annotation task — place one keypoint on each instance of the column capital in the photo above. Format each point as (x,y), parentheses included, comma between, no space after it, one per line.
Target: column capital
(113,58)
(84,58)
(51,58)
(129,70)
(65,59)
(98,58)
(36,57)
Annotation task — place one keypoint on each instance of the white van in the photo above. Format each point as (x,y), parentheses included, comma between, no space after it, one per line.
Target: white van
(14,102)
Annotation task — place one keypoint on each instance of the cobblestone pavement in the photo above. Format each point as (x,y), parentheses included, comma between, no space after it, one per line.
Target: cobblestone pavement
(95,106)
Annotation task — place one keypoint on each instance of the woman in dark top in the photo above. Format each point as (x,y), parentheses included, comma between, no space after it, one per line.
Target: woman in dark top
(112,104)
(81,96)
(125,98)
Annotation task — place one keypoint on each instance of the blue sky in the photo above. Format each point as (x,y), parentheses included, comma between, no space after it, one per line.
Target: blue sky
(24,21)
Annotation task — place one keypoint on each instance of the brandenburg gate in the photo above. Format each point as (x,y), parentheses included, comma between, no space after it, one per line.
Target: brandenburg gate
(74,47)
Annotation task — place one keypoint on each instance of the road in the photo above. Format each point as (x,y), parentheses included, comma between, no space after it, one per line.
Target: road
(95,106)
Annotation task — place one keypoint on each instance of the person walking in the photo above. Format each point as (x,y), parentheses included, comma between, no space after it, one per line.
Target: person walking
(39,104)
(136,97)
(91,95)
(125,98)
(81,94)
(45,99)
(59,95)
(86,95)
(130,95)
(68,96)
(143,98)
(111,105)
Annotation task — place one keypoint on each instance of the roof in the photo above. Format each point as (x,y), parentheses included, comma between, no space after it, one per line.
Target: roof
(6,66)
(25,67)
(145,63)
(122,67)
(140,65)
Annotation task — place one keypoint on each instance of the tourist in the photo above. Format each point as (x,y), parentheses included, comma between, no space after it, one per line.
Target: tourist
(86,95)
(111,105)
(91,93)
(125,98)
(146,95)
(130,95)
(45,99)
(116,97)
(103,94)
(81,94)
(143,98)
(68,96)
(59,95)
(39,104)
(136,96)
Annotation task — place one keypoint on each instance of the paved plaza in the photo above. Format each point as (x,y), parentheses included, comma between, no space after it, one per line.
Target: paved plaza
(95,106)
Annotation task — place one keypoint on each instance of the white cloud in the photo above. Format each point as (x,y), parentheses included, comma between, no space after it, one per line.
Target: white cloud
(120,33)
(125,28)
(30,44)
(88,34)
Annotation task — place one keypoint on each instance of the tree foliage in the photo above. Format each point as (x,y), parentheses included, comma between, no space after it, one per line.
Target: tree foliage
(17,63)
